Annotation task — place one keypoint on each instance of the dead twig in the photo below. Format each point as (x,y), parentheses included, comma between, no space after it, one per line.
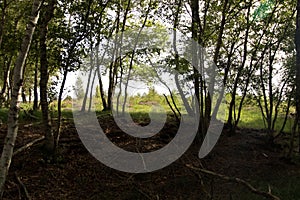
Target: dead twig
(32,124)
(268,194)
(28,145)
(23,186)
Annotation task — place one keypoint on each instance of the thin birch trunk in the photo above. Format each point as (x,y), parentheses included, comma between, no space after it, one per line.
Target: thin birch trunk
(13,115)
(44,77)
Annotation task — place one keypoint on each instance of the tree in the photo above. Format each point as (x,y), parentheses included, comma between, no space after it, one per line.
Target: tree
(12,130)
(11,31)
(73,45)
(297,41)
(133,52)
(97,95)
(269,95)
(78,88)
(44,70)
(197,33)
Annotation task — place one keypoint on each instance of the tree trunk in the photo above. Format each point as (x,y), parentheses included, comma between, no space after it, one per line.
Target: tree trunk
(66,70)
(132,56)
(287,111)
(29,95)
(83,107)
(110,87)
(297,39)
(113,67)
(269,97)
(35,87)
(102,94)
(120,60)
(198,81)
(208,104)
(177,64)
(5,81)
(3,18)
(24,100)
(13,115)
(49,138)
(225,78)
(232,122)
(91,92)
(58,130)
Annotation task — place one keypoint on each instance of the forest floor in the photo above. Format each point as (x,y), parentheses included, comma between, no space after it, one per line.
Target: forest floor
(76,174)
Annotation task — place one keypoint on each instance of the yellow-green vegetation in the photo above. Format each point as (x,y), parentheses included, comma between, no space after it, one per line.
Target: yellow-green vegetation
(141,105)
(251,117)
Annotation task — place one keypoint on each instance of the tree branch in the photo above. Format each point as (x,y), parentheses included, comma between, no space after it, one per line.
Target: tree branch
(246,184)
(28,145)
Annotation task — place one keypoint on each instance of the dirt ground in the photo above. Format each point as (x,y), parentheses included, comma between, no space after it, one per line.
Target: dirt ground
(76,174)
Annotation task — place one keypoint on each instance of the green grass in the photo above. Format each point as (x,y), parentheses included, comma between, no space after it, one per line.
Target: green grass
(3,114)
(26,107)
(250,117)
(22,116)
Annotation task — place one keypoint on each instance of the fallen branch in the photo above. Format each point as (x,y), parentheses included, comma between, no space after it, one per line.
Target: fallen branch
(23,186)
(32,124)
(28,145)
(268,194)
(63,119)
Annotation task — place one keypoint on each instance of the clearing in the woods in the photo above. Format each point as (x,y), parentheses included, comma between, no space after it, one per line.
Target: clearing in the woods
(76,174)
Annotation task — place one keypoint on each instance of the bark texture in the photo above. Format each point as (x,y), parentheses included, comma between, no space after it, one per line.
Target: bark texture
(45,19)
(297,40)
(13,114)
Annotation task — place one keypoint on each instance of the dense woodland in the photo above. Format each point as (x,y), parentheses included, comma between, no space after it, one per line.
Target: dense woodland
(254,46)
